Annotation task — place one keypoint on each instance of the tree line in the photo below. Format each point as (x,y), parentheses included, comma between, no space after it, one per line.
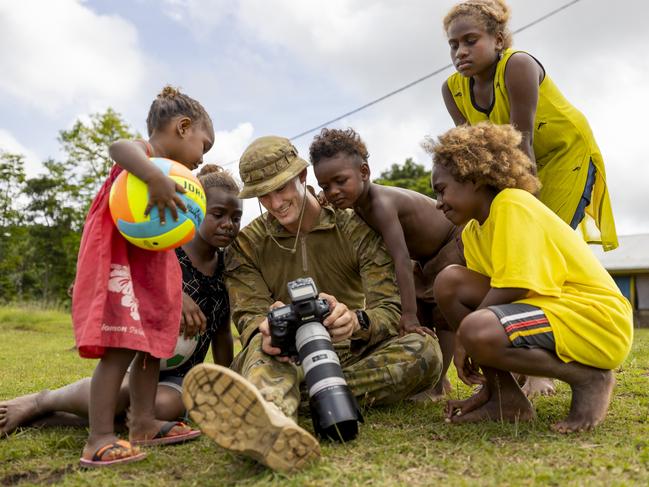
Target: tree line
(41,217)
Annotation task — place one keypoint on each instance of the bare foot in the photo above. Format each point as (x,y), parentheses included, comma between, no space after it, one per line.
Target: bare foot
(458,408)
(590,400)
(436,393)
(508,405)
(19,411)
(538,386)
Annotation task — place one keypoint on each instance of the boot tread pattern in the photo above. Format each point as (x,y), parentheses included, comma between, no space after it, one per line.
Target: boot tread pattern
(232,412)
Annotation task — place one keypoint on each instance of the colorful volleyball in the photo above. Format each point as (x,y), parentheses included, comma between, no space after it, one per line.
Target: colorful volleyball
(129,197)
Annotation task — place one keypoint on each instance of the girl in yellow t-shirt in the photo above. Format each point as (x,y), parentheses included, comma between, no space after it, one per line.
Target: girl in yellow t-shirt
(533,299)
(498,84)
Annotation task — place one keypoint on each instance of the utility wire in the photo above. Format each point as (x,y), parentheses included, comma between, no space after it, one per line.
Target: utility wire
(423,78)
(419,80)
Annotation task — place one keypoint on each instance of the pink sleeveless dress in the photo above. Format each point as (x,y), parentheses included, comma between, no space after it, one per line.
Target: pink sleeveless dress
(124,296)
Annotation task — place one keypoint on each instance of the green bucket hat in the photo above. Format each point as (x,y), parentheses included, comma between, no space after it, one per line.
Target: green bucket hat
(267,164)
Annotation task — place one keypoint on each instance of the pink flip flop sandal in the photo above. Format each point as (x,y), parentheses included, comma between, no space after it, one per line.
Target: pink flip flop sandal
(97,459)
(163,437)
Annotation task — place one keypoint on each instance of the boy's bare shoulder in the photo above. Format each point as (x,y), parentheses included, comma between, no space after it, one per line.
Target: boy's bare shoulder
(403,200)
(424,226)
(384,195)
(382,208)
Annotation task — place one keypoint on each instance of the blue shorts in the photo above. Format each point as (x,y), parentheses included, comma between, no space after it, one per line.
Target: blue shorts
(525,325)
(580,212)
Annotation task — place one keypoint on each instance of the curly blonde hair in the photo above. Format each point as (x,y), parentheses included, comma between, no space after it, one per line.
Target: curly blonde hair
(493,15)
(485,153)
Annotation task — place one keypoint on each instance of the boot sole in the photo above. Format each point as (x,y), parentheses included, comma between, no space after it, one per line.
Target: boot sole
(230,410)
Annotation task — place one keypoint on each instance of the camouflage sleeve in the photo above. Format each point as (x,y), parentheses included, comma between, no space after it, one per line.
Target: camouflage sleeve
(382,301)
(250,298)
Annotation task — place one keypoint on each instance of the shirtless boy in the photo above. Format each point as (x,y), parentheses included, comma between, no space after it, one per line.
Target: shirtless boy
(409,222)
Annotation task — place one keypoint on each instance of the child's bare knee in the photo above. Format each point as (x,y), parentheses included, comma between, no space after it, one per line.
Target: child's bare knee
(477,338)
(447,282)
(168,404)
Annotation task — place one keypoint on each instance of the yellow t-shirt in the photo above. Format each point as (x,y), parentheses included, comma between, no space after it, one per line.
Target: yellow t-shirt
(563,146)
(523,244)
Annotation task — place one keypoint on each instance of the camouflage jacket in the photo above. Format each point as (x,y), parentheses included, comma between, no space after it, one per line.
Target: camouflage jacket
(344,256)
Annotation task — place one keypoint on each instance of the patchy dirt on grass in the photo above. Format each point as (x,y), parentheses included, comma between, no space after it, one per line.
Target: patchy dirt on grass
(38,477)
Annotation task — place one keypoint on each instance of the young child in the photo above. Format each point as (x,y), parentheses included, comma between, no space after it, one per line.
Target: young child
(497,83)
(205,308)
(532,299)
(202,262)
(127,301)
(410,224)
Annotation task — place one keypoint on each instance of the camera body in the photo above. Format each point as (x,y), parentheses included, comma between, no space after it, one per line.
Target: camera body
(305,307)
(297,330)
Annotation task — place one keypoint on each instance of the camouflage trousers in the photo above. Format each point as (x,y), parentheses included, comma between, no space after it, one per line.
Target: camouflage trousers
(385,374)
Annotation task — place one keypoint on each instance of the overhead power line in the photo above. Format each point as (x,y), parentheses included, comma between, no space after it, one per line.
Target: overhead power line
(419,80)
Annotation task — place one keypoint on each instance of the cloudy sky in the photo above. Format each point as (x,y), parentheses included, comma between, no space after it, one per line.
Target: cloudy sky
(280,67)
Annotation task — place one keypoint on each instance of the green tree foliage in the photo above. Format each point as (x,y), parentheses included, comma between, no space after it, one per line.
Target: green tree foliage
(410,175)
(55,214)
(87,162)
(41,217)
(12,179)
(53,198)
(15,261)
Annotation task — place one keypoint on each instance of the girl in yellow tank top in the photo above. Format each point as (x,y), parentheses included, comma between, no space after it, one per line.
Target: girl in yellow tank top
(498,84)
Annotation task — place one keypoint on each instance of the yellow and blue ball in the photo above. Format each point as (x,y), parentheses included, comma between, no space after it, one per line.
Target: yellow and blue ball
(129,197)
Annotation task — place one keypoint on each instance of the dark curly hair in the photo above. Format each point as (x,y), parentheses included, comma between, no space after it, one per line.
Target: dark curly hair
(213,176)
(484,153)
(171,103)
(493,15)
(330,142)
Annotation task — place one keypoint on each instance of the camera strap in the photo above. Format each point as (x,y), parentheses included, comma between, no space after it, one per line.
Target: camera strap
(299,226)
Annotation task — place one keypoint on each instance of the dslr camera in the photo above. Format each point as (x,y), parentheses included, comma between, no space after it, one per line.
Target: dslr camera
(297,330)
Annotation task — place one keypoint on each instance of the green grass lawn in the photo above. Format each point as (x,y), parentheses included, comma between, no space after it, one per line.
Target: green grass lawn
(408,444)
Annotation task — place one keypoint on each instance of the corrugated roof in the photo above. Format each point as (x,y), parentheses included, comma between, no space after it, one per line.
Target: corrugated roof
(631,255)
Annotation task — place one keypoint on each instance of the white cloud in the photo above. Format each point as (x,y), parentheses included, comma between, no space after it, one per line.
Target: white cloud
(371,47)
(200,14)
(619,126)
(365,45)
(352,50)
(229,145)
(8,143)
(60,53)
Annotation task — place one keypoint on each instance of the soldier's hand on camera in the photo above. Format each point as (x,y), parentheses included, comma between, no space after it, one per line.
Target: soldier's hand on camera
(264,329)
(341,322)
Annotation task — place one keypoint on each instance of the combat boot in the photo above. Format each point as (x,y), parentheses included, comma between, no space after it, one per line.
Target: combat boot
(230,410)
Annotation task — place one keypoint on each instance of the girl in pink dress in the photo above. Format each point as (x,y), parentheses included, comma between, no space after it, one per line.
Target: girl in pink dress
(126,303)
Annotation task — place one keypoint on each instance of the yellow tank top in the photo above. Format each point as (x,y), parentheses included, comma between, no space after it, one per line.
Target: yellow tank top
(563,146)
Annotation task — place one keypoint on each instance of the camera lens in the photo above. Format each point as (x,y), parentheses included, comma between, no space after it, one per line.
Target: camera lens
(335,412)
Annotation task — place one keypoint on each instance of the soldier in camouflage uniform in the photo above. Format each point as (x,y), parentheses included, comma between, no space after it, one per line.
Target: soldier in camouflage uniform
(298,237)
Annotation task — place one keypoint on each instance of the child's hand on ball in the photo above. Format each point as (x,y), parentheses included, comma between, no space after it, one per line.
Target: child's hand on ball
(163,194)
